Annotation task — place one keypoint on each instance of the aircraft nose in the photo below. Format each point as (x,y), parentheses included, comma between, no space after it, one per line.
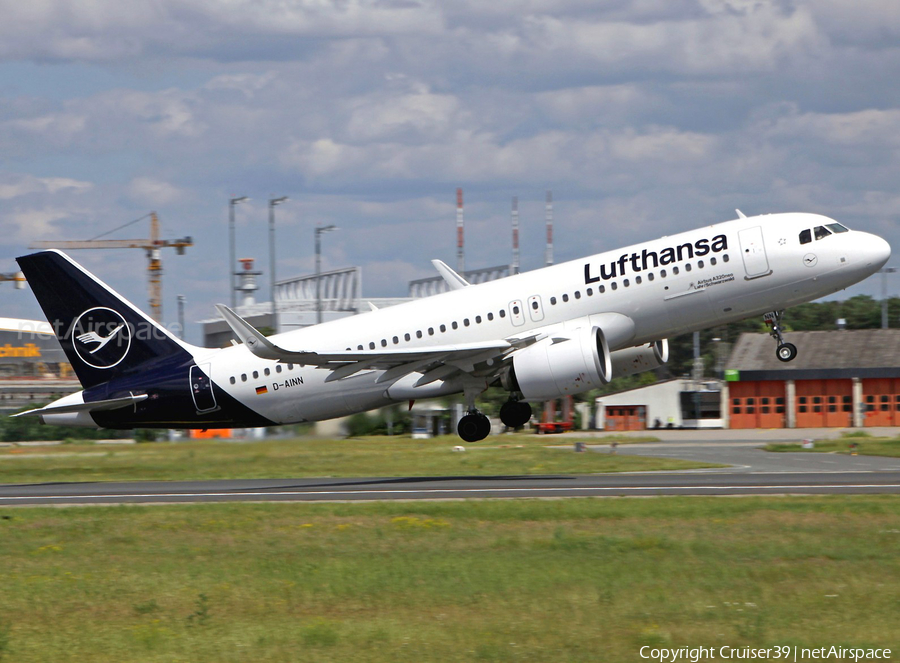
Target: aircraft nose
(879,251)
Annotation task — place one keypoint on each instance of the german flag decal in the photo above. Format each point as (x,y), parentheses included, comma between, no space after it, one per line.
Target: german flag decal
(262,390)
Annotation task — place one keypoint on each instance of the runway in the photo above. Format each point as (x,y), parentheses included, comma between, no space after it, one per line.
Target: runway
(752,471)
(431,488)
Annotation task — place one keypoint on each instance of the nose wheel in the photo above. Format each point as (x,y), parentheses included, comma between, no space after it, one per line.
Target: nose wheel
(784,351)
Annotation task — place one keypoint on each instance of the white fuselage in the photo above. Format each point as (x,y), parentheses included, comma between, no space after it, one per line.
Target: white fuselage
(668,286)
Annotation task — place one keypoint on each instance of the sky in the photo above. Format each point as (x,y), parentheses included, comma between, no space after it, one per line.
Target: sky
(644,118)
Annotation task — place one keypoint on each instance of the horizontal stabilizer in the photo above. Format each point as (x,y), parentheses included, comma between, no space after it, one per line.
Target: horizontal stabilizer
(94,406)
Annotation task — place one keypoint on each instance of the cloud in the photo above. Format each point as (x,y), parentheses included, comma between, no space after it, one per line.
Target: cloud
(15,185)
(152,192)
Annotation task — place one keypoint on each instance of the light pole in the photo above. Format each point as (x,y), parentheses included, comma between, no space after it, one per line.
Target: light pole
(319,231)
(272,203)
(181,299)
(231,260)
(884,302)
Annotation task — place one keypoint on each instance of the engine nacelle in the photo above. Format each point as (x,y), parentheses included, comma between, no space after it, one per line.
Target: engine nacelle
(639,359)
(558,366)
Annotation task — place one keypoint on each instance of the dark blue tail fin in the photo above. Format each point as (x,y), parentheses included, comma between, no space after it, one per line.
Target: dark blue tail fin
(102,334)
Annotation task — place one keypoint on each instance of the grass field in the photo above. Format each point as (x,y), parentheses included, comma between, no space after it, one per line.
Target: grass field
(866,446)
(583,580)
(310,457)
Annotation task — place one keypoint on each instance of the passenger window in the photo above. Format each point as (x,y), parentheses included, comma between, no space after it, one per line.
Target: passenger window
(515,310)
(478,319)
(821,232)
(601,289)
(384,343)
(590,292)
(418,333)
(626,283)
(699,264)
(725,258)
(359,347)
(806,236)
(577,294)
(675,271)
(232,380)
(650,276)
(443,328)
(406,336)
(466,322)
(267,372)
(662,273)
(395,340)
(278,368)
(712,261)
(431,331)
(454,325)
(243,377)
(687,267)
(503,313)
(372,345)
(613,285)
(490,316)
(553,301)
(566,298)
(255,375)
(290,367)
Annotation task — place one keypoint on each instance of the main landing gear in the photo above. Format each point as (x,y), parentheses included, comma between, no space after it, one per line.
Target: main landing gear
(784,351)
(515,413)
(474,425)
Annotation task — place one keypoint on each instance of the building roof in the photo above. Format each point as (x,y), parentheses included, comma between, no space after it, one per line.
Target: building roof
(820,355)
(31,326)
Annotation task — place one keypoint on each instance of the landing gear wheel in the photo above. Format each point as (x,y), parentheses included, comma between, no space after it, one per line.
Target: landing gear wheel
(786,351)
(515,414)
(473,427)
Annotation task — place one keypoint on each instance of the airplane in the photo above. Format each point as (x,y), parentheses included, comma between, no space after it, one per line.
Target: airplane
(559,330)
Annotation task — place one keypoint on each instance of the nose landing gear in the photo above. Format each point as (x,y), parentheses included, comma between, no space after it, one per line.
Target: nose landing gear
(784,351)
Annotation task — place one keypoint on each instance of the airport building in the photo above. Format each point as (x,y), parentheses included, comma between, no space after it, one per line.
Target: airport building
(33,366)
(844,378)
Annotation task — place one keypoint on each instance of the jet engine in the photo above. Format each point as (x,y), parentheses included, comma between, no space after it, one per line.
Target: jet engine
(640,358)
(559,366)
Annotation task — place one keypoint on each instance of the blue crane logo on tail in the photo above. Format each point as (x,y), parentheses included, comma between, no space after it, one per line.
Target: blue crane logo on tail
(101,337)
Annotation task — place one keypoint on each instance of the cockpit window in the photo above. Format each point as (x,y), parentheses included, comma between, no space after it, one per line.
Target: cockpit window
(837,228)
(806,236)
(821,231)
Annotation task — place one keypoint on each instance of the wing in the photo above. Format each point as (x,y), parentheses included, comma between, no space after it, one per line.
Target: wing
(437,362)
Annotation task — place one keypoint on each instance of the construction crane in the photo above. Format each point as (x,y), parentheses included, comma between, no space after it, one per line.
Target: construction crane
(152,246)
(16,277)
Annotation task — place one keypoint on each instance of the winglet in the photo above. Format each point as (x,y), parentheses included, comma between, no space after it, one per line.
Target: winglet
(454,280)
